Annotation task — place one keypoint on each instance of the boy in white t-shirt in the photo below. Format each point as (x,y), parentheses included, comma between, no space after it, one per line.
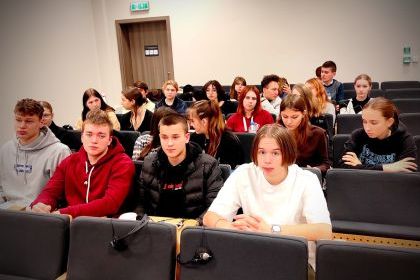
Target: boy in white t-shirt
(276,195)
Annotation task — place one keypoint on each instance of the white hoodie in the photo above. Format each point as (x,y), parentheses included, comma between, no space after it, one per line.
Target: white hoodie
(25,169)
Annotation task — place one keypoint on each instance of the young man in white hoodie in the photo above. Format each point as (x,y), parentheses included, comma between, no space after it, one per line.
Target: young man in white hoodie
(29,160)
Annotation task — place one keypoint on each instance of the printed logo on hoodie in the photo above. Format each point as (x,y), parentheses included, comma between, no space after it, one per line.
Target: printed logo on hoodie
(23,168)
(369,157)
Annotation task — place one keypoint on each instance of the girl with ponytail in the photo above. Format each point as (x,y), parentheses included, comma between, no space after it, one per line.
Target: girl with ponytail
(139,118)
(210,133)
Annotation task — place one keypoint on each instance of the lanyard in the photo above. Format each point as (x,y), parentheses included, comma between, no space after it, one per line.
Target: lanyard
(244,121)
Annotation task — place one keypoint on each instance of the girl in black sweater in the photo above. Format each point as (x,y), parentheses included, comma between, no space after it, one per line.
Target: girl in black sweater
(382,144)
(211,135)
(139,118)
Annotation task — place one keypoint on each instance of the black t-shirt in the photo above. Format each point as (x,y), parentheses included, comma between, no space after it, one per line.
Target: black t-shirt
(172,194)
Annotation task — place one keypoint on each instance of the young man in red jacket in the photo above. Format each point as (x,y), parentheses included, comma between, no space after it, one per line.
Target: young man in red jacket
(94,181)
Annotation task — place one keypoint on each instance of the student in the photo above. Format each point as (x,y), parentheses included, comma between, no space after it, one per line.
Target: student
(187,93)
(315,117)
(237,86)
(170,89)
(311,140)
(93,100)
(334,88)
(67,138)
(284,87)
(318,73)
(382,144)
(211,135)
(214,92)
(144,88)
(150,142)
(270,100)
(139,118)
(179,180)
(95,180)
(249,111)
(321,103)
(276,195)
(28,161)
(362,86)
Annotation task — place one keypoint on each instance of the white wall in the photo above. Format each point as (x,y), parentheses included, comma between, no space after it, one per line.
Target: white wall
(55,49)
(48,52)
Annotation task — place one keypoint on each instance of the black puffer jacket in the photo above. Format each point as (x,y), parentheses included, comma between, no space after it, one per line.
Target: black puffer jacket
(203,181)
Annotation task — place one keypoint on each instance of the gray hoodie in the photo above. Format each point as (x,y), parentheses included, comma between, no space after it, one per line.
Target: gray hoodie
(25,169)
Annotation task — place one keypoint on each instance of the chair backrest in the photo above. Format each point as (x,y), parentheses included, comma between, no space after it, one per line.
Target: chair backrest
(402,93)
(32,245)
(150,253)
(127,139)
(399,84)
(246,140)
(316,171)
(73,139)
(226,170)
(411,122)
(338,147)
(374,203)
(350,86)
(408,105)
(349,260)
(346,123)
(242,255)
(131,199)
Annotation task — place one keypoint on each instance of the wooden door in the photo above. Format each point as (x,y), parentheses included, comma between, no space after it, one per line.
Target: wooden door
(138,42)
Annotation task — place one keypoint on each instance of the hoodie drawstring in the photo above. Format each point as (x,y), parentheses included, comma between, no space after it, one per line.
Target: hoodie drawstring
(88,180)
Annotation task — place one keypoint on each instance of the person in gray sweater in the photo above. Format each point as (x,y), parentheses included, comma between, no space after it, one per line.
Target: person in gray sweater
(29,160)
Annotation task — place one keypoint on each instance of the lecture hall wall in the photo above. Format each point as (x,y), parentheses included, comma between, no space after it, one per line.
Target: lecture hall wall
(54,49)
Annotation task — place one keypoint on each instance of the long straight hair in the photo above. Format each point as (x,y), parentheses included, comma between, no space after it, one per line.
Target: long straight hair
(210,110)
(297,103)
(93,92)
(320,100)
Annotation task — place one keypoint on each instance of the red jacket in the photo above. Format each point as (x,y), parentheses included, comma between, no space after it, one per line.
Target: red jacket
(236,123)
(110,181)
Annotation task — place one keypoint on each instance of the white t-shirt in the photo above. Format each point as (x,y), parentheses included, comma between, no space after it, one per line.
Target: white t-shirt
(296,200)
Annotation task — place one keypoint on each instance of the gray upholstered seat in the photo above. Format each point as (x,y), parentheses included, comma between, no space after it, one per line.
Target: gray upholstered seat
(348,260)
(242,255)
(150,253)
(32,245)
(374,203)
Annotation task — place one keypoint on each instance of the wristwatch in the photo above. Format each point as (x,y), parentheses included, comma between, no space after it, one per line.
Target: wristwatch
(275,228)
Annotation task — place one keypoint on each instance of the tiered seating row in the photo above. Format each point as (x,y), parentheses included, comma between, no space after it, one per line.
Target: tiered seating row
(150,253)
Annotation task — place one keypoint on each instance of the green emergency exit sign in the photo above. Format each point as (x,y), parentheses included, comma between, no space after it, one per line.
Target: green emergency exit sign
(139,6)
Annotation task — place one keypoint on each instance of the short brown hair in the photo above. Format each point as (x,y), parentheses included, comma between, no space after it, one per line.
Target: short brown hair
(281,135)
(98,117)
(330,64)
(173,119)
(30,107)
